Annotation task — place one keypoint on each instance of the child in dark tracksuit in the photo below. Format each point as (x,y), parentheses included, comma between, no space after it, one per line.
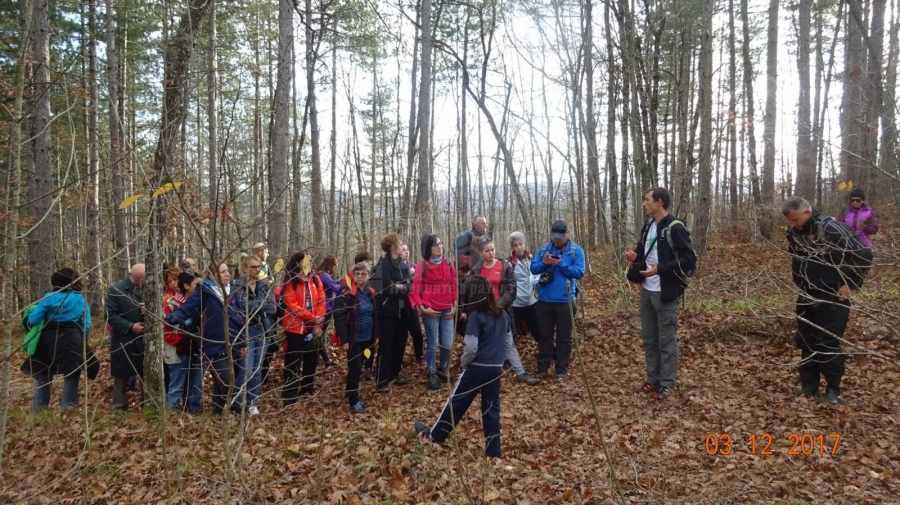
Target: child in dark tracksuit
(482,362)
(355,321)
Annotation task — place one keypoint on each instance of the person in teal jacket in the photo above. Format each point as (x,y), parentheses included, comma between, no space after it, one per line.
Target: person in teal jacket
(560,264)
(62,345)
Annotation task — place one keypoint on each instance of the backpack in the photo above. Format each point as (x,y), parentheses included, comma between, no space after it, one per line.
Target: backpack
(465,249)
(666,232)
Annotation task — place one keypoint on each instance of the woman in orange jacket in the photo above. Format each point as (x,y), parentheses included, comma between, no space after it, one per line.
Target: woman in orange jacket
(304,315)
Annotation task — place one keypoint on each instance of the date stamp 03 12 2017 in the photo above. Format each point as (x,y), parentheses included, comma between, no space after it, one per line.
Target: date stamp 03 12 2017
(801,444)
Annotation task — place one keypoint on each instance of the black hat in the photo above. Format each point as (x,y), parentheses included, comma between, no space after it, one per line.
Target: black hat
(858,193)
(559,229)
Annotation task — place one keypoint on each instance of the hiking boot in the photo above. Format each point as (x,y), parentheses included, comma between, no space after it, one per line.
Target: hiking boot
(809,390)
(662,393)
(253,410)
(646,389)
(527,379)
(368,374)
(561,375)
(384,388)
(401,381)
(421,361)
(442,375)
(421,429)
(358,408)
(434,383)
(832,395)
(330,363)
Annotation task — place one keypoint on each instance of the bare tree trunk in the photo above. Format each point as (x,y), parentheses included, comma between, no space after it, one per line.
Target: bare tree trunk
(40,249)
(749,97)
(332,211)
(889,139)
(92,210)
(11,211)
(590,129)
(412,132)
(316,195)
(683,166)
(854,163)
(280,128)
(769,120)
(732,116)
(212,132)
(701,230)
(423,193)
(806,164)
(115,143)
(175,103)
(616,218)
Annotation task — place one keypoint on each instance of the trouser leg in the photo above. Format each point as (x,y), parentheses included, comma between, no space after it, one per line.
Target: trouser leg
(292,355)
(415,332)
(70,390)
(667,320)
(563,318)
(461,397)
(119,393)
(528,315)
(825,323)
(546,348)
(399,347)
(41,399)
(390,328)
(445,340)
(512,355)
(310,358)
(650,337)
(490,412)
(354,369)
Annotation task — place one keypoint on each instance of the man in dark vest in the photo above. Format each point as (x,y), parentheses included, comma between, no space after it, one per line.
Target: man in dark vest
(467,243)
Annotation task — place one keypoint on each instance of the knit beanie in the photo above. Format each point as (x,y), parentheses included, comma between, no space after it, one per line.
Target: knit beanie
(858,193)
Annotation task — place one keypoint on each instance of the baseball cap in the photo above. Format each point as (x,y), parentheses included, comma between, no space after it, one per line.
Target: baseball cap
(559,229)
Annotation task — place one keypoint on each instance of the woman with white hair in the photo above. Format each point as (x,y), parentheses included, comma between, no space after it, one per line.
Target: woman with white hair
(525,304)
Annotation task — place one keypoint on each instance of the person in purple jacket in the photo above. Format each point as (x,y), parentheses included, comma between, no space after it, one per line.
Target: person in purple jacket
(325,271)
(860,217)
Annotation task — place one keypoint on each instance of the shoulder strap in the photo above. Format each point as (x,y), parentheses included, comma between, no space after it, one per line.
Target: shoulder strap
(669,231)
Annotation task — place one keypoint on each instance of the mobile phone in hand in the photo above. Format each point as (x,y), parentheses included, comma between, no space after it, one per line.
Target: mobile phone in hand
(555,256)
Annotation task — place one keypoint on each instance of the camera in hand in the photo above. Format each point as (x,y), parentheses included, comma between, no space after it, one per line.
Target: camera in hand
(546,278)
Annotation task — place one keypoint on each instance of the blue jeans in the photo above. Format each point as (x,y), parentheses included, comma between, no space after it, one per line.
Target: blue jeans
(249,376)
(438,329)
(186,375)
(42,382)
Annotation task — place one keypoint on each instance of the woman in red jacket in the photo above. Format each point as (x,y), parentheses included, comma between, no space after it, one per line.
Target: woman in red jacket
(434,292)
(304,315)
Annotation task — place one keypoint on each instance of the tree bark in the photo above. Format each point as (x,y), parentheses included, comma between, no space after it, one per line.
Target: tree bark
(316,196)
(701,230)
(423,193)
(590,128)
(92,211)
(278,246)
(40,179)
(115,144)
(177,59)
(733,201)
(806,164)
(212,133)
(769,119)
(11,210)
(749,97)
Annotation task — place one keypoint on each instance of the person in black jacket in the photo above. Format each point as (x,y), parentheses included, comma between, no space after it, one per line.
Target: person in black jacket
(660,265)
(391,281)
(125,313)
(828,261)
(356,324)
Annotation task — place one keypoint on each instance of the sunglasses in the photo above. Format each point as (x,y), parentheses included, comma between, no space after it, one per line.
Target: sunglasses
(855,200)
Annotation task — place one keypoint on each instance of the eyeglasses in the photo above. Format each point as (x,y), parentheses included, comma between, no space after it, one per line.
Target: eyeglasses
(855,200)
(255,267)
(361,274)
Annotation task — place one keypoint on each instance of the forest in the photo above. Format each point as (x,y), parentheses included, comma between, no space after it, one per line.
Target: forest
(152,131)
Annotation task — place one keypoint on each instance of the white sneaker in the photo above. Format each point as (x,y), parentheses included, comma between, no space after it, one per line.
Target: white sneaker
(253,410)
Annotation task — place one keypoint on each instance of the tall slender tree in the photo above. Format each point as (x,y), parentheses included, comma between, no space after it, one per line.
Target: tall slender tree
(706,128)
(806,157)
(278,244)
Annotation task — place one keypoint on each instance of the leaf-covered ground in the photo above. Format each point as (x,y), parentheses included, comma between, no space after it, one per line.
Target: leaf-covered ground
(737,379)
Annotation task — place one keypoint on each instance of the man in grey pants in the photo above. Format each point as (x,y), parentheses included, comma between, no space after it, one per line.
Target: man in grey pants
(661,263)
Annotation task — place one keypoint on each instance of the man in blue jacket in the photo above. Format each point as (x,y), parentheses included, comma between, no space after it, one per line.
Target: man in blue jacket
(560,263)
